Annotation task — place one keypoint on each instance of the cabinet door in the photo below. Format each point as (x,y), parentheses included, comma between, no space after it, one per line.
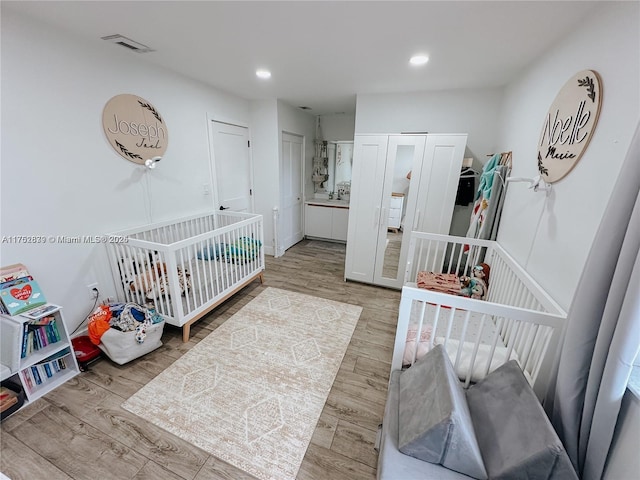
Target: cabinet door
(439,182)
(368,172)
(404,155)
(317,221)
(339,224)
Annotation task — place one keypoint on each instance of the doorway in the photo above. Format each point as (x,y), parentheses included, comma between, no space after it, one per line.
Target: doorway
(232,179)
(291,161)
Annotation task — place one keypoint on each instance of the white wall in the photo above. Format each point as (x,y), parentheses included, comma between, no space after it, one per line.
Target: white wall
(338,126)
(474,112)
(59,174)
(551,236)
(265,153)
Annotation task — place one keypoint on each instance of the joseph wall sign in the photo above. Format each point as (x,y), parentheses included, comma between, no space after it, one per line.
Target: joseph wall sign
(569,125)
(134,128)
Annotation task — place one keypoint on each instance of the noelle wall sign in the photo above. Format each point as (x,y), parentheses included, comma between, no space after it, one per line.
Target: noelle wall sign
(569,125)
(135,129)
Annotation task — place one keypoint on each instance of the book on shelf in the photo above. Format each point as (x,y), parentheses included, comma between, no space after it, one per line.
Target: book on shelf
(39,312)
(8,398)
(41,372)
(9,274)
(12,272)
(36,375)
(38,334)
(20,295)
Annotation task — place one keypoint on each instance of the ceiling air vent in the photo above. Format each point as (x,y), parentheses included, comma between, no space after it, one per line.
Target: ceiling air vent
(127,43)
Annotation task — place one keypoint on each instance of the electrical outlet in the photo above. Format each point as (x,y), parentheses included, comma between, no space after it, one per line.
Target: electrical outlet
(93,290)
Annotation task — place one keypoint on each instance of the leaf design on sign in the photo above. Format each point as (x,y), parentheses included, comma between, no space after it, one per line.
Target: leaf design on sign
(588,82)
(541,169)
(151,109)
(126,152)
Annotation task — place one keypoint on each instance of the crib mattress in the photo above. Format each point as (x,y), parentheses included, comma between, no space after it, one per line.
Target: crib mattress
(486,331)
(472,332)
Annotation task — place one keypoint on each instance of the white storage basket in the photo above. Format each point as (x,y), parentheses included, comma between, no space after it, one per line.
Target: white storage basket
(122,347)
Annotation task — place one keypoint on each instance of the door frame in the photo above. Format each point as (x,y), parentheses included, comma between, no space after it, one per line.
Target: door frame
(302,185)
(213,185)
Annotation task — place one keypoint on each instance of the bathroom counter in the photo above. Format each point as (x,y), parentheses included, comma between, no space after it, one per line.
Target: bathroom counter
(321,202)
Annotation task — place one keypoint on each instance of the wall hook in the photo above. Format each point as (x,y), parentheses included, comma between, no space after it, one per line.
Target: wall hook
(536,183)
(151,162)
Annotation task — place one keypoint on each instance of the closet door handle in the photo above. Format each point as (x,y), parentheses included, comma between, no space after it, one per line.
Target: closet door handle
(416,220)
(376,217)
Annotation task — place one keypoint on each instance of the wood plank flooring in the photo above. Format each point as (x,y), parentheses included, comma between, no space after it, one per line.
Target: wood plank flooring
(79,431)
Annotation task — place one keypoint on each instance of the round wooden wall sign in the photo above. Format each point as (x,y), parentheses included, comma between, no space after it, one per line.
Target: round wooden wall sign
(134,128)
(569,125)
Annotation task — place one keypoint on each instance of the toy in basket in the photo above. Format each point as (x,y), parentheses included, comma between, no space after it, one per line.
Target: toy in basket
(125,332)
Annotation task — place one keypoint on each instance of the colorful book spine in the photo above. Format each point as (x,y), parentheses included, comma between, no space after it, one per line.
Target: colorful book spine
(39,334)
(36,375)
(25,340)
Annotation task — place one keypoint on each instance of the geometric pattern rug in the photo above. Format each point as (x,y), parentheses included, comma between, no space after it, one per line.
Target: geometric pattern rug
(252,391)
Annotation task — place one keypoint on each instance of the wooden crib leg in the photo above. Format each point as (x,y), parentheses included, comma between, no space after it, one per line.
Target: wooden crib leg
(185,332)
(261,279)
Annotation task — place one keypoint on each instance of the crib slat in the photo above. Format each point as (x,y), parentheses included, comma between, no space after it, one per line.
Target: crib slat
(462,339)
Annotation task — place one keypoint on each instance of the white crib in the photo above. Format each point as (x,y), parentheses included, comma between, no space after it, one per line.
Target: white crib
(187,267)
(518,320)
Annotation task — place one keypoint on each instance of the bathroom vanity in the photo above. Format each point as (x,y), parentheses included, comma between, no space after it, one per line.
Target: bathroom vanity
(326,219)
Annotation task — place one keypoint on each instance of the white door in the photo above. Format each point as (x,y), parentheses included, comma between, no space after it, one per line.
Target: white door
(232,167)
(404,155)
(443,156)
(291,181)
(369,159)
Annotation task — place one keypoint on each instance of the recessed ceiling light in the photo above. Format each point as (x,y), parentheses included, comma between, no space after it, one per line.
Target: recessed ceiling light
(263,73)
(418,60)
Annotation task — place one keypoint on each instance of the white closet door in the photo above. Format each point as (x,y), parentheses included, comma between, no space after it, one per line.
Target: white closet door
(404,155)
(368,173)
(439,182)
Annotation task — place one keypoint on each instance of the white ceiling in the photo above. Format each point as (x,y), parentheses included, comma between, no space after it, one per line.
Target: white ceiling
(322,53)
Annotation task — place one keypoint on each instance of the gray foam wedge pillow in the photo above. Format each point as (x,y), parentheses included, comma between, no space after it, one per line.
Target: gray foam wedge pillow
(515,436)
(434,421)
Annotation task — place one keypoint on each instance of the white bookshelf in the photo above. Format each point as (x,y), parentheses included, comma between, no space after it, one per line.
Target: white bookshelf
(54,359)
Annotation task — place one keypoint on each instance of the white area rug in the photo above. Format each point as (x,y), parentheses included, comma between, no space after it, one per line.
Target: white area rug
(252,391)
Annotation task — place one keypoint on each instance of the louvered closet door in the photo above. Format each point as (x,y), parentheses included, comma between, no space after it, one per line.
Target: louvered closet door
(367,182)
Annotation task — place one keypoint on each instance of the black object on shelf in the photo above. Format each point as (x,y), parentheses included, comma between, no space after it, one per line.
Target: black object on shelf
(17,388)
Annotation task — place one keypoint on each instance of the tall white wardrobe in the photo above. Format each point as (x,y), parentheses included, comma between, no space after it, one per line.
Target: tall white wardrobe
(424,170)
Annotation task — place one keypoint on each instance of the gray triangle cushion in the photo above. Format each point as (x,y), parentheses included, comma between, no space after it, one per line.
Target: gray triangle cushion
(515,436)
(434,420)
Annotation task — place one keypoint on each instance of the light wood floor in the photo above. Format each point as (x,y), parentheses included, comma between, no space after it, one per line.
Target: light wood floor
(80,431)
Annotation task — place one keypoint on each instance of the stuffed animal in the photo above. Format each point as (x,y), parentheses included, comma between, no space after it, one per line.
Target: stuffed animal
(478,285)
(145,281)
(481,283)
(152,281)
(465,286)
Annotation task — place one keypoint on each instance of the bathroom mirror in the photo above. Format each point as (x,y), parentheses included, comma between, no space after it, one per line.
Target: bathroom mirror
(340,162)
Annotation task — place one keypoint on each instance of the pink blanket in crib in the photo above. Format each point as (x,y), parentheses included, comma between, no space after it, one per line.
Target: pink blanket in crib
(439,282)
